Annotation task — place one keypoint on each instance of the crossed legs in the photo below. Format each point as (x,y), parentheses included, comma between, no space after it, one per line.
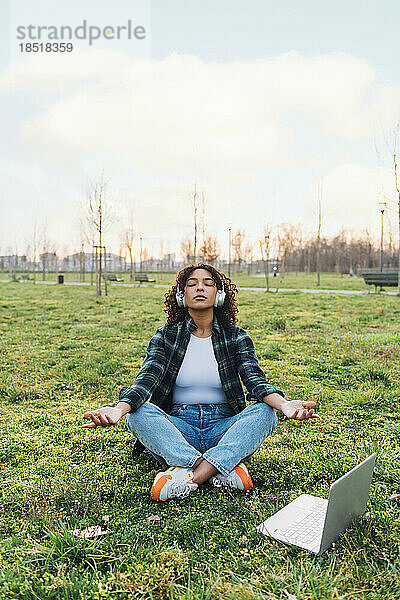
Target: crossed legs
(173,440)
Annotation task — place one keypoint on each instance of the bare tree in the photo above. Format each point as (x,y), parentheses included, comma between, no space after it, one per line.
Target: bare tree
(286,241)
(187,249)
(195,222)
(88,236)
(13,262)
(144,255)
(48,256)
(265,247)
(82,262)
(100,216)
(128,243)
(81,241)
(242,250)
(129,238)
(210,250)
(34,243)
(203,218)
(396,179)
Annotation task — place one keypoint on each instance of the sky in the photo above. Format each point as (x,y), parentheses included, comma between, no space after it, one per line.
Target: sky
(256,102)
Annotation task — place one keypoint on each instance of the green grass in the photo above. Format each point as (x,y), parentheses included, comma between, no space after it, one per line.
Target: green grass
(329,281)
(64,351)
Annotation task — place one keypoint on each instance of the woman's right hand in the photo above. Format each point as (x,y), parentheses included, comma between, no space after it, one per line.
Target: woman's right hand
(106,416)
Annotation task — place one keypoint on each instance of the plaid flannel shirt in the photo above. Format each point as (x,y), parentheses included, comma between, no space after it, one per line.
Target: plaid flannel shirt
(235,355)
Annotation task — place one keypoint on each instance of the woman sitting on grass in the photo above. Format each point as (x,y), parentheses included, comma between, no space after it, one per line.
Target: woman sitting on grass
(197,421)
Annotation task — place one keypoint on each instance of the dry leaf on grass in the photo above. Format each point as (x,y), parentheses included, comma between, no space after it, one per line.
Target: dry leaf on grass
(91,532)
(290,596)
(153,518)
(385,352)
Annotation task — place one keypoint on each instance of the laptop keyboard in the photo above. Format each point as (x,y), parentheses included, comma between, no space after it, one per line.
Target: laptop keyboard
(308,529)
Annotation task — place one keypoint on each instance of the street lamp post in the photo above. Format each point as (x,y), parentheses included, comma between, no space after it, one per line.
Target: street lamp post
(382,211)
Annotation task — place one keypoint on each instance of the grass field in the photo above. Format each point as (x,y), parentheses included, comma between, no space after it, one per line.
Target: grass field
(64,351)
(329,281)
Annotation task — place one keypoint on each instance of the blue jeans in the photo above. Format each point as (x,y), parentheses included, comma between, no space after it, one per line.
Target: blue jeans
(210,431)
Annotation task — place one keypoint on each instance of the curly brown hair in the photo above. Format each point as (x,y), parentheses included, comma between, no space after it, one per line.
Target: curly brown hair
(226,314)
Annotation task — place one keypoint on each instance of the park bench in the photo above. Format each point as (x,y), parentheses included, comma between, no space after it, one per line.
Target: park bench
(111,277)
(380,278)
(14,277)
(143,277)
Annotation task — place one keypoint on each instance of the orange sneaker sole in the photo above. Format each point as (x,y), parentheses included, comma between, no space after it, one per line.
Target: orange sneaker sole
(157,487)
(245,477)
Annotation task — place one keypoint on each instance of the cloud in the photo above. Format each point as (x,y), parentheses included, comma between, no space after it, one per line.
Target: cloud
(166,123)
(181,114)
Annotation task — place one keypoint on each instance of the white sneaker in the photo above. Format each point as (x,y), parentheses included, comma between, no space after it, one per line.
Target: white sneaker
(175,482)
(239,478)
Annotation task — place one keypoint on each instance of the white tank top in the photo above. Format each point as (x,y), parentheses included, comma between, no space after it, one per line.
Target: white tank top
(198,380)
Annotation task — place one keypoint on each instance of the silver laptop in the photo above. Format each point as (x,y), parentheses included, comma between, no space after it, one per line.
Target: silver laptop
(314,523)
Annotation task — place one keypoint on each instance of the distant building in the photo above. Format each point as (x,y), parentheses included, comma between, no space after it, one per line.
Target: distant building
(168,261)
(86,262)
(48,261)
(13,262)
(74,262)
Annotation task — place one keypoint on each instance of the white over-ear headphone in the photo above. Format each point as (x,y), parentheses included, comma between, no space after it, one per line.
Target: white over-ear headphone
(219,298)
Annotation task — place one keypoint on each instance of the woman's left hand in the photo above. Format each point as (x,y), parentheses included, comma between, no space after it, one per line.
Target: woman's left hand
(299,410)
